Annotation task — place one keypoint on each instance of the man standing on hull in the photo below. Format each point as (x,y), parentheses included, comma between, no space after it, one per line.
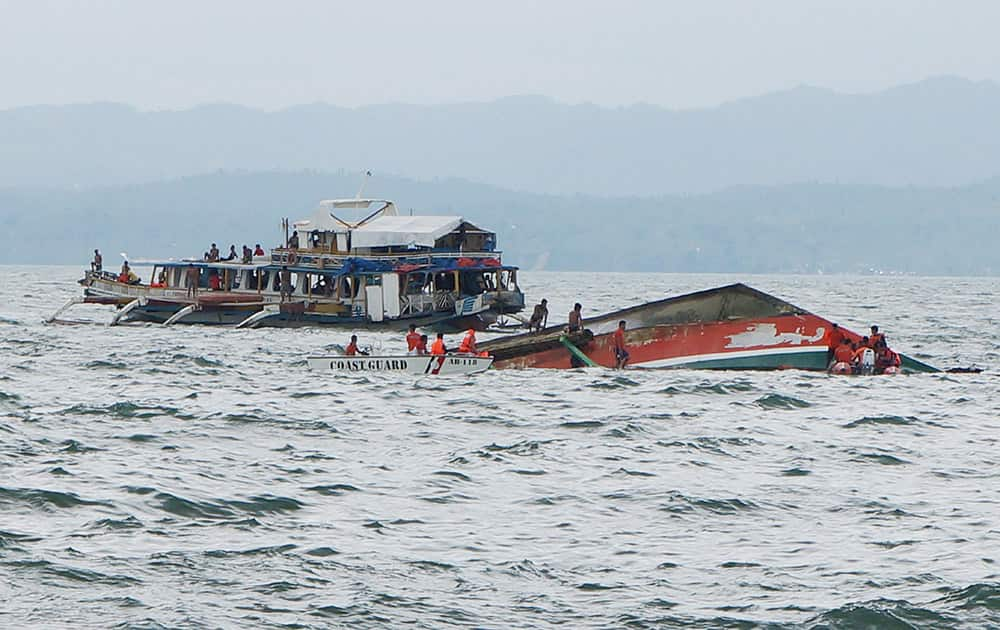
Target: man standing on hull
(621,352)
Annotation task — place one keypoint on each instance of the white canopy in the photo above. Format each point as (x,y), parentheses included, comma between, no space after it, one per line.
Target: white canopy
(397,231)
(322,219)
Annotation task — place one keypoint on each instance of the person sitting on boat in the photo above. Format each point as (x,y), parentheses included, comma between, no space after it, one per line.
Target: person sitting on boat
(843,353)
(885,358)
(98,263)
(833,339)
(161,280)
(539,316)
(864,358)
(123,275)
(232,255)
(247,255)
(468,344)
(422,346)
(576,318)
(258,250)
(352,348)
(621,352)
(875,337)
(412,340)
(438,348)
(213,253)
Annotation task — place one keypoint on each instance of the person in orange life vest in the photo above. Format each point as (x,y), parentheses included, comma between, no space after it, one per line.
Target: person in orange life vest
(352,348)
(861,345)
(886,358)
(215,282)
(844,352)
(438,348)
(833,339)
(422,346)
(468,344)
(864,357)
(621,353)
(875,337)
(412,340)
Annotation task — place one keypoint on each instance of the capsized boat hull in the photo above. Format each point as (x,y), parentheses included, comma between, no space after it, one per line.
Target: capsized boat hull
(447,365)
(729,328)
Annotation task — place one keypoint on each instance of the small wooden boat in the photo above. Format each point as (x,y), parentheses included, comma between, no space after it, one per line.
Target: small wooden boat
(430,365)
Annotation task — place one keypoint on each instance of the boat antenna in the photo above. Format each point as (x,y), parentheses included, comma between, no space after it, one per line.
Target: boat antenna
(364,180)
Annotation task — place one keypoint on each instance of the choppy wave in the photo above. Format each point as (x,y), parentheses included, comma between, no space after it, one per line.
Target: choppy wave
(201,477)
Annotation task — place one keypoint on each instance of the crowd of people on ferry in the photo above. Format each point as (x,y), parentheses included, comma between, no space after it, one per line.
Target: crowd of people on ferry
(869,355)
(246,257)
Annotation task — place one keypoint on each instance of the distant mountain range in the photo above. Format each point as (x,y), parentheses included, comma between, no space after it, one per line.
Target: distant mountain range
(939,132)
(807,228)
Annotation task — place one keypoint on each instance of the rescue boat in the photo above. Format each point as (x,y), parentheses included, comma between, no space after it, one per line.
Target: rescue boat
(734,327)
(425,365)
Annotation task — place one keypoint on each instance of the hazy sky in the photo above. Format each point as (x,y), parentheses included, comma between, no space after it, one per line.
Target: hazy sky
(178,53)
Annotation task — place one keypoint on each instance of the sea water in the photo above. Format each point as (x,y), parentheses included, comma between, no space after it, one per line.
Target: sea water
(200,477)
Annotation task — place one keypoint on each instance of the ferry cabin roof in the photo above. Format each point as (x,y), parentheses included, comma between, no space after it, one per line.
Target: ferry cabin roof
(384,231)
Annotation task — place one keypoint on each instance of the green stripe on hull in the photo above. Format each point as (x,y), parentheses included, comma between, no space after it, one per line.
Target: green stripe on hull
(787,360)
(910,364)
(793,360)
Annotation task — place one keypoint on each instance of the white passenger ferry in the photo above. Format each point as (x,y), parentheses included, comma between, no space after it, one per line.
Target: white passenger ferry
(384,271)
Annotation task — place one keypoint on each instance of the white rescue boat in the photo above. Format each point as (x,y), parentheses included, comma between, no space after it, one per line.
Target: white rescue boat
(431,365)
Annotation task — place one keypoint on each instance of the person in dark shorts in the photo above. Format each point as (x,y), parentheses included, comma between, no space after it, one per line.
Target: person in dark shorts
(576,318)
(540,316)
(621,352)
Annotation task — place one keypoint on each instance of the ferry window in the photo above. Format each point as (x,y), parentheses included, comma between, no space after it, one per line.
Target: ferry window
(444,282)
(323,286)
(471,283)
(415,283)
(351,286)
(508,279)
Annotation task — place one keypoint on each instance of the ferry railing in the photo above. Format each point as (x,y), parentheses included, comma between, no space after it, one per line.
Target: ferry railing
(332,261)
(416,304)
(444,300)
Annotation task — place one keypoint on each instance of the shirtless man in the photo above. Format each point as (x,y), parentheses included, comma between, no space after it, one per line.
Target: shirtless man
(621,352)
(576,318)
(540,316)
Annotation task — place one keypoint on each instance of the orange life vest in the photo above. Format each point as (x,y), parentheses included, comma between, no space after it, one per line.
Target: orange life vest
(437,348)
(843,353)
(412,340)
(469,343)
(352,349)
